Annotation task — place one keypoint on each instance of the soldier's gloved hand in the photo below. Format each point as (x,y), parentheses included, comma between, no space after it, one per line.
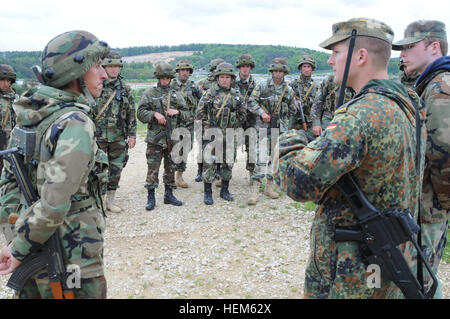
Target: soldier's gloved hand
(160,118)
(292,140)
(265,117)
(172,112)
(7,261)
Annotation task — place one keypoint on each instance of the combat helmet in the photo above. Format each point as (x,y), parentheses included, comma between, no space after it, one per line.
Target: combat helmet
(214,63)
(163,70)
(184,64)
(279,64)
(245,59)
(307,59)
(225,68)
(70,55)
(113,58)
(7,72)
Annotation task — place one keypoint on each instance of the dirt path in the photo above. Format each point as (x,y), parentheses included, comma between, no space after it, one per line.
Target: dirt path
(228,250)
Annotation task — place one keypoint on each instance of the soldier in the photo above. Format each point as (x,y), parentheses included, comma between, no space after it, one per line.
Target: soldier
(245,84)
(408,78)
(305,91)
(371,137)
(159,106)
(115,118)
(273,101)
(192,94)
(220,107)
(204,86)
(68,169)
(7,97)
(324,105)
(424,50)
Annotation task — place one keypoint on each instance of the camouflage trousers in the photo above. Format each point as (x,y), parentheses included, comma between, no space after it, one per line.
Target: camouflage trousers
(264,153)
(221,166)
(182,165)
(249,166)
(117,157)
(155,154)
(38,287)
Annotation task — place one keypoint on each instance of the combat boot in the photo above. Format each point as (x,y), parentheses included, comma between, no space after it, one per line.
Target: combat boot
(268,190)
(225,193)
(110,202)
(207,199)
(169,198)
(254,193)
(179,181)
(150,199)
(198,178)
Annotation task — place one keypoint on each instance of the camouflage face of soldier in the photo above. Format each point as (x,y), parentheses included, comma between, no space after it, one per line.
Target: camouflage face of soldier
(417,56)
(244,71)
(306,69)
(164,82)
(224,80)
(337,60)
(112,71)
(5,84)
(184,74)
(94,78)
(278,76)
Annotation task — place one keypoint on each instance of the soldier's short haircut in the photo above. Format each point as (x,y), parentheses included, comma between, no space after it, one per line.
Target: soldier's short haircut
(379,49)
(444,44)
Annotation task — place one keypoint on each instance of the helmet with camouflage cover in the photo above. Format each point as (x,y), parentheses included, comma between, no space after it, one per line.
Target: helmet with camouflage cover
(307,59)
(70,55)
(184,64)
(113,58)
(225,68)
(214,63)
(7,72)
(279,64)
(245,59)
(163,70)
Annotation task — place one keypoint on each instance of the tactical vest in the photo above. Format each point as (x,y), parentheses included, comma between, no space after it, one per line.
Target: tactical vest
(228,113)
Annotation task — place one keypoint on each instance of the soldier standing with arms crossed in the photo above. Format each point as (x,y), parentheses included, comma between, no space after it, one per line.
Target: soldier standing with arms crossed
(374,137)
(115,118)
(424,50)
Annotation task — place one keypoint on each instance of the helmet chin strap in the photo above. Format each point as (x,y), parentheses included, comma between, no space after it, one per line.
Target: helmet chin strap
(86,92)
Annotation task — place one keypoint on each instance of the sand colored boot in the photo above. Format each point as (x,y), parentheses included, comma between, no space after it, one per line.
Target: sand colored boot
(254,193)
(179,181)
(110,202)
(268,190)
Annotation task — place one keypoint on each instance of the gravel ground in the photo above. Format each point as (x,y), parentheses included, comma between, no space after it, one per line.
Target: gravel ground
(228,250)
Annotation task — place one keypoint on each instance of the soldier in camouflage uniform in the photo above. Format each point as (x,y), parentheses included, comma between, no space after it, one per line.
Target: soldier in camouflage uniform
(324,105)
(424,50)
(159,105)
(245,84)
(371,137)
(220,107)
(7,97)
(204,86)
(71,169)
(192,94)
(305,91)
(408,79)
(271,99)
(115,118)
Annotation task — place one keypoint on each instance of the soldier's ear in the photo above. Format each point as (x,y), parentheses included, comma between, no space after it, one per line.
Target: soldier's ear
(361,56)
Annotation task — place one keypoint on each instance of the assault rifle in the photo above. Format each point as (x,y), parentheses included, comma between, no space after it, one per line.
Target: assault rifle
(167,131)
(381,232)
(50,256)
(300,108)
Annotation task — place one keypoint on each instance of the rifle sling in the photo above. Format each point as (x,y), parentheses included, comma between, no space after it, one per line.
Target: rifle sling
(106,105)
(223,105)
(5,119)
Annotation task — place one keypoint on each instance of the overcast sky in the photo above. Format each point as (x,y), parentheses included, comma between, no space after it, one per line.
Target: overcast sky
(29,25)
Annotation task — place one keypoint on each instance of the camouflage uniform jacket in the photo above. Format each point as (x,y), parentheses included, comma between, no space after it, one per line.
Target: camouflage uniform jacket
(156,99)
(232,114)
(69,163)
(434,88)
(326,99)
(6,112)
(374,138)
(267,94)
(118,120)
(305,91)
(409,80)
(191,94)
(206,84)
(246,88)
